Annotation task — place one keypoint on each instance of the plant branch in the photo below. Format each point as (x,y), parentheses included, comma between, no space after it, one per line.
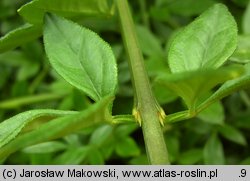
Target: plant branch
(27,100)
(146,109)
(143,13)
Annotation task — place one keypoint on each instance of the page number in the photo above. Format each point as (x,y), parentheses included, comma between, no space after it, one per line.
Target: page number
(243,173)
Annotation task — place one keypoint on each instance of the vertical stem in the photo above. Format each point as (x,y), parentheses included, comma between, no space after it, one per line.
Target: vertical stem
(143,13)
(146,109)
(36,82)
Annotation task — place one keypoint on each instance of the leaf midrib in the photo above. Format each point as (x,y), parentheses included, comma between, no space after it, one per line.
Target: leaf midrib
(89,77)
(77,54)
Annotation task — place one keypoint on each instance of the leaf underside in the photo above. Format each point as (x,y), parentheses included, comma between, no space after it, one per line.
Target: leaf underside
(191,86)
(59,127)
(13,126)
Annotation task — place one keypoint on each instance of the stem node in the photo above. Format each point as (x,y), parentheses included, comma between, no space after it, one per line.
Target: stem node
(147,111)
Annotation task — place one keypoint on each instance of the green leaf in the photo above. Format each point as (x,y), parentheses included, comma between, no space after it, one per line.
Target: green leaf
(229,87)
(81,57)
(242,53)
(213,151)
(60,127)
(191,86)
(34,11)
(73,140)
(72,156)
(101,135)
(19,88)
(173,145)
(205,43)
(232,134)
(127,147)
(162,94)
(11,127)
(19,36)
(140,160)
(46,147)
(191,157)
(246,20)
(198,128)
(107,150)
(124,130)
(242,120)
(156,66)
(27,66)
(38,159)
(149,44)
(213,114)
(160,13)
(95,157)
(189,7)
(15,58)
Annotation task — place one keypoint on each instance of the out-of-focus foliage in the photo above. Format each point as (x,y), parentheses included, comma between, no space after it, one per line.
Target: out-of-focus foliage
(27,81)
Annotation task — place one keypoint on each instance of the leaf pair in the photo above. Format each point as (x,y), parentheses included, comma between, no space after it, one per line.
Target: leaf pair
(196,54)
(80,56)
(83,59)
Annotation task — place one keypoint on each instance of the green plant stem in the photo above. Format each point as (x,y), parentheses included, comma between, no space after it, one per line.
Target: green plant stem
(144,13)
(34,84)
(146,109)
(123,119)
(179,116)
(17,102)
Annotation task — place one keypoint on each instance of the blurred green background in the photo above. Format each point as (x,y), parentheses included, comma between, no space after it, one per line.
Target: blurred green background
(218,135)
